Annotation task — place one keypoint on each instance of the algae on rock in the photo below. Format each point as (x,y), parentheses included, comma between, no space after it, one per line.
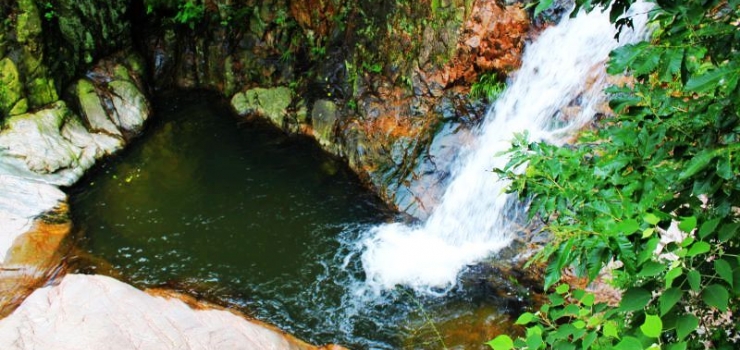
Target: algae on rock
(271,103)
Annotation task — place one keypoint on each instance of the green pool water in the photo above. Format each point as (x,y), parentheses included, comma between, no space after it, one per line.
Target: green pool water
(243,215)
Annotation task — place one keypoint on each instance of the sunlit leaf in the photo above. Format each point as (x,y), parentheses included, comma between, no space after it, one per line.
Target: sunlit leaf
(697,248)
(628,343)
(502,342)
(524,318)
(652,327)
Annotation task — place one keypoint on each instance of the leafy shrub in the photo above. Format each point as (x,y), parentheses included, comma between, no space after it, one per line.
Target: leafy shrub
(190,12)
(655,188)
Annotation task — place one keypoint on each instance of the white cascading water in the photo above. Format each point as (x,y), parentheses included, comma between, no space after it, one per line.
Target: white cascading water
(564,64)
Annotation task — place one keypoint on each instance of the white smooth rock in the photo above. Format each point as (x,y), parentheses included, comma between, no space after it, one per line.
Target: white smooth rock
(98,312)
(21,201)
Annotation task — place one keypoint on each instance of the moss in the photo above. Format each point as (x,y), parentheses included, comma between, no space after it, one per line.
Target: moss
(271,103)
(120,72)
(28,23)
(10,86)
(20,107)
(41,92)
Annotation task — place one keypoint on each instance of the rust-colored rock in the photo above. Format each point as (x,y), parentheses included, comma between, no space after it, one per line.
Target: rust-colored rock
(492,40)
(315,15)
(33,258)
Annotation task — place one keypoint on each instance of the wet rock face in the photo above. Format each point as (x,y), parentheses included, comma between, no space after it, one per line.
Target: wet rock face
(101,313)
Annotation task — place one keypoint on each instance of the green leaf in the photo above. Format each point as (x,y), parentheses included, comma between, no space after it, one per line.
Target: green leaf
(706,82)
(651,219)
(564,345)
(627,227)
(534,341)
(648,232)
(676,346)
(650,269)
(556,299)
(728,231)
(685,325)
(694,279)
(579,324)
(524,318)
(628,343)
(588,340)
(542,5)
(634,299)
(562,289)
(698,163)
(588,299)
(652,327)
(672,275)
(668,299)
(610,330)
(502,342)
(716,296)
(724,167)
(708,227)
(687,224)
(697,248)
(724,270)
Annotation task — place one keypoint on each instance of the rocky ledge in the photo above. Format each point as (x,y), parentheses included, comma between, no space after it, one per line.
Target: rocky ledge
(98,312)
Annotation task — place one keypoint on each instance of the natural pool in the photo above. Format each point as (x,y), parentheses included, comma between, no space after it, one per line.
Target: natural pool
(243,215)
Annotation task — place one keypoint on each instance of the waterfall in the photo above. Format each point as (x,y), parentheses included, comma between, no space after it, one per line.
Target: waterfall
(563,67)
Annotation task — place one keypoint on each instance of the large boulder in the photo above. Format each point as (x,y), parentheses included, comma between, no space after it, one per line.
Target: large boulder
(98,312)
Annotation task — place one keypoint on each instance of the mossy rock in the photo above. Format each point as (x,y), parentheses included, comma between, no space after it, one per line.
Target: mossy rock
(271,103)
(41,91)
(10,87)
(28,22)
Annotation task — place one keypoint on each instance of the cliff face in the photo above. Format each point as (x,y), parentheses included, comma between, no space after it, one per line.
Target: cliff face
(375,83)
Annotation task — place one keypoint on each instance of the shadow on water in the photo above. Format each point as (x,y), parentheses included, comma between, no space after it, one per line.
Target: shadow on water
(242,215)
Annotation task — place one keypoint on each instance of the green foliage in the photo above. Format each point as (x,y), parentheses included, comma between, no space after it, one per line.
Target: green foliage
(488,86)
(655,188)
(190,12)
(49,12)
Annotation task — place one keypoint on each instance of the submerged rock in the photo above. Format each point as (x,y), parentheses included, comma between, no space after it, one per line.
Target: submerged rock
(98,312)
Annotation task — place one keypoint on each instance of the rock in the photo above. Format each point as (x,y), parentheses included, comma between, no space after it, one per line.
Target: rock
(97,312)
(130,104)
(270,103)
(91,107)
(33,257)
(53,143)
(10,87)
(323,118)
(28,25)
(48,148)
(21,201)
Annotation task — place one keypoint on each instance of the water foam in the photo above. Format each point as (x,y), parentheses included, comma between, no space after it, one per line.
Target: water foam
(563,67)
